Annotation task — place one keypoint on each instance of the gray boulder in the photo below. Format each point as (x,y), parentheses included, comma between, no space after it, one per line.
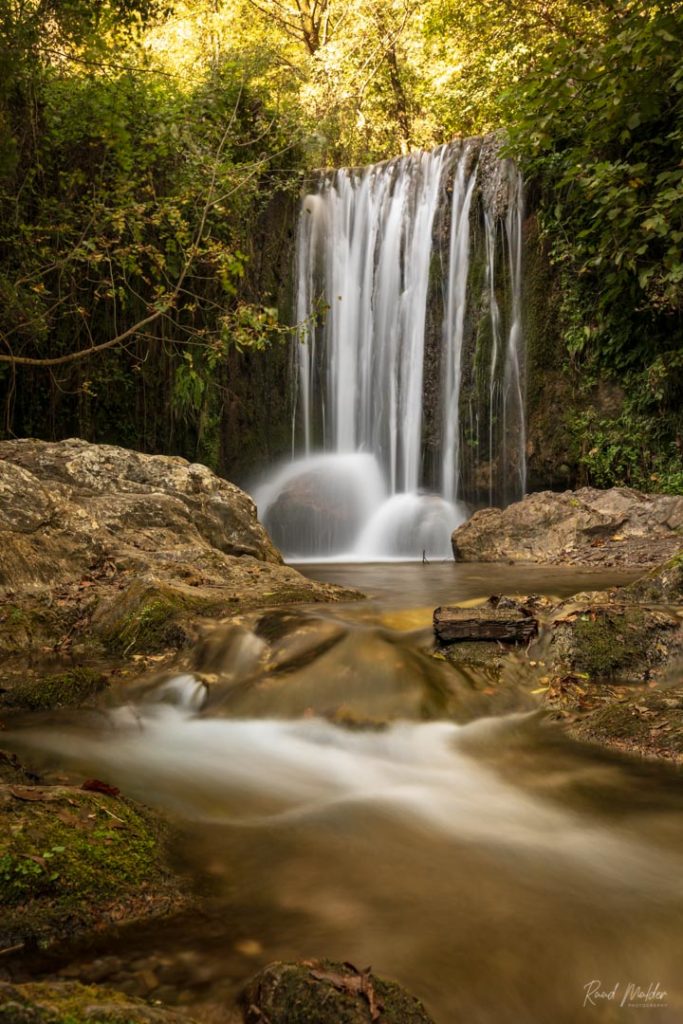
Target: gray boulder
(619,526)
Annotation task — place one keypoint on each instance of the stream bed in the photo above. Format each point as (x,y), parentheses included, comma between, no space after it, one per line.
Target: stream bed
(499,871)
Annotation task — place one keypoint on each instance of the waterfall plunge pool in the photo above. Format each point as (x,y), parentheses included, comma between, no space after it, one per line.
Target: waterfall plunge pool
(337,507)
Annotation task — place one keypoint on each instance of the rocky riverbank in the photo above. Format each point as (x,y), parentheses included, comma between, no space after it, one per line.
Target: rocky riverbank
(111,561)
(616,527)
(117,563)
(607,665)
(111,557)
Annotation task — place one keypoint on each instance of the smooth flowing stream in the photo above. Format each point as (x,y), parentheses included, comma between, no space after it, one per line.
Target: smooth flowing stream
(339,792)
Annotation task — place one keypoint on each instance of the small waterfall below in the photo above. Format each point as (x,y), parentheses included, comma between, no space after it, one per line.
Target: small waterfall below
(408,360)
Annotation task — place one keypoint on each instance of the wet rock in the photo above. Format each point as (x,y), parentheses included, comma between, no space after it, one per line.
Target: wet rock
(112,551)
(662,585)
(13,771)
(319,506)
(73,862)
(100,969)
(613,662)
(68,689)
(353,674)
(588,526)
(72,1003)
(648,723)
(325,992)
(613,640)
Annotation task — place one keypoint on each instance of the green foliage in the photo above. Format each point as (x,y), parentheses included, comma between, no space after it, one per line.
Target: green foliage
(142,141)
(29,874)
(622,452)
(598,122)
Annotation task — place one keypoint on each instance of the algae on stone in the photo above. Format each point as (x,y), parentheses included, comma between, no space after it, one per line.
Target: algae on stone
(69,1002)
(69,689)
(72,861)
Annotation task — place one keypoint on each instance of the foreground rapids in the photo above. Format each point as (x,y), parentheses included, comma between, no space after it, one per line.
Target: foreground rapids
(490,865)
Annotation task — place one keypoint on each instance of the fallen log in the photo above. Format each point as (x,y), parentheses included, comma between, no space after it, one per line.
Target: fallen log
(505,625)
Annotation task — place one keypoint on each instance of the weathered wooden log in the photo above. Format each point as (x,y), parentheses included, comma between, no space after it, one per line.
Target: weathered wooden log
(507,625)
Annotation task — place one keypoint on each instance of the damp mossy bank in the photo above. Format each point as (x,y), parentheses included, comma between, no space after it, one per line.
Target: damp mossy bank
(74,861)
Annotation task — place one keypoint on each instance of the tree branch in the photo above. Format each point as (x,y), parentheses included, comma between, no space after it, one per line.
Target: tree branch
(72,357)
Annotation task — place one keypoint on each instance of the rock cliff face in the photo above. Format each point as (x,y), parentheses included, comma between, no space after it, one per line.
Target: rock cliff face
(613,527)
(108,548)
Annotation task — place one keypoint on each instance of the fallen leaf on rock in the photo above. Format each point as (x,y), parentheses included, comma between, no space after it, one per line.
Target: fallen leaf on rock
(26,793)
(97,786)
(359,984)
(38,860)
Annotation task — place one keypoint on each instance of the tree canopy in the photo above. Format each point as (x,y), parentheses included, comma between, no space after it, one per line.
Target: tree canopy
(141,140)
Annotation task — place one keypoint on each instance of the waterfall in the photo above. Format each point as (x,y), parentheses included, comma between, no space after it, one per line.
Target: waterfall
(379,250)
(453,324)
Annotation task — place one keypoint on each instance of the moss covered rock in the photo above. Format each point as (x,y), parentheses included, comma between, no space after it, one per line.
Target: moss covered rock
(601,641)
(663,585)
(324,992)
(71,1003)
(647,723)
(69,689)
(74,861)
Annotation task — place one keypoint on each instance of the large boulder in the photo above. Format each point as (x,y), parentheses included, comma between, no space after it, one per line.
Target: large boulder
(68,503)
(109,550)
(619,526)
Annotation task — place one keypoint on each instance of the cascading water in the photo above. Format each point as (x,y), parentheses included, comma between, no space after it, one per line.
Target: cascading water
(378,250)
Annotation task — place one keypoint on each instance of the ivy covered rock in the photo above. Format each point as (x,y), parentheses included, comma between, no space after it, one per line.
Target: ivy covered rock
(325,992)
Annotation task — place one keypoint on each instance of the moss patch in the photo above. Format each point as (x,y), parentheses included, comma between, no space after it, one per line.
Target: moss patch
(68,689)
(606,642)
(150,617)
(71,1003)
(71,861)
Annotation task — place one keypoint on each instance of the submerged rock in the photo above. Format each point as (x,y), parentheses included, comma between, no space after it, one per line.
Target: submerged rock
(297,663)
(589,526)
(70,1003)
(109,551)
(325,992)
